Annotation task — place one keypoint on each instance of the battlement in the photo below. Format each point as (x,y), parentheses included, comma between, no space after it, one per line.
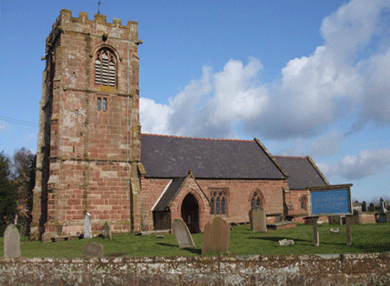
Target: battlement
(98,18)
(66,15)
(65,22)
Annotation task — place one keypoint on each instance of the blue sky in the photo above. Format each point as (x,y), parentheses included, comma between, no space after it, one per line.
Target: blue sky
(305,77)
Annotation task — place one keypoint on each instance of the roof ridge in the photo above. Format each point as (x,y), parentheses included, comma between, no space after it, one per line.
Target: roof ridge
(296,157)
(199,138)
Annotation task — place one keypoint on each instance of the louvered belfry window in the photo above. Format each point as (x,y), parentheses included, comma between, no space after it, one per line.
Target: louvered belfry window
(105,70)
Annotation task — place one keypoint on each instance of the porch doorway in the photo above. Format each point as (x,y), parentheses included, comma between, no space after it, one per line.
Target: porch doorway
(190,213)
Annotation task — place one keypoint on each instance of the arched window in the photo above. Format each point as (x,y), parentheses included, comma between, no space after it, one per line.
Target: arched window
(256,200)
(105,68)
(303,202)
(99,104)
(218,201)
(104,104)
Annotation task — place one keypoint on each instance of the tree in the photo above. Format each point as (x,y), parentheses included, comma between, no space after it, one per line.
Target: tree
(24,177)
(8,191)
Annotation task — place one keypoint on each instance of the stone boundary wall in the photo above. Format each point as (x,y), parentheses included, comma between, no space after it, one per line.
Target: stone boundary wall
(348,269)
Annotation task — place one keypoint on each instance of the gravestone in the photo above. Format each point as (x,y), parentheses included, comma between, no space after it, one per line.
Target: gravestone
(259,221)
(11,242)
(87,226)
(335,230)
(107,231)
(383,207)
(286,242)
(371,207)
(250,219)
(364,206)
(182,234)
(92,249)
(216,236)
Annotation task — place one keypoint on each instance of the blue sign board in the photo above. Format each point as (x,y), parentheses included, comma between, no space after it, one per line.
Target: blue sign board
(331,201)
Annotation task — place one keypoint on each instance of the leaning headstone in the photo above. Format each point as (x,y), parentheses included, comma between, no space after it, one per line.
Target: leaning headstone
(107,231)
(92,249)
(364,206)
(182,234)
(259,220)
(216,236)
(87,226)
(11,242)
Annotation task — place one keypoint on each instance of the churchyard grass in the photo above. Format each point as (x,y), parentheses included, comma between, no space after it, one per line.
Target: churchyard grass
(367,238)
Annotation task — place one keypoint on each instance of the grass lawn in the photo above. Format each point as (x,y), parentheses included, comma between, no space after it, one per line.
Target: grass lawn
(365,239)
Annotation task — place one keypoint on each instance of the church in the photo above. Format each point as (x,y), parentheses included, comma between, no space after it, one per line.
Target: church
(92,157)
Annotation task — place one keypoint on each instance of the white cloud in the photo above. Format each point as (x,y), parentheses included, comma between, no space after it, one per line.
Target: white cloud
(325,169)
(327,144)
(154,116)
(2,126)
(211,105)
(366,163)
(348,73)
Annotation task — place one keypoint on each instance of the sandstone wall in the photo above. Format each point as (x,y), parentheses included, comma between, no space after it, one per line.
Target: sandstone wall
(348,269)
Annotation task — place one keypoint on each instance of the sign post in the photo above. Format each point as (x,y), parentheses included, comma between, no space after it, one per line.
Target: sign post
(330,200)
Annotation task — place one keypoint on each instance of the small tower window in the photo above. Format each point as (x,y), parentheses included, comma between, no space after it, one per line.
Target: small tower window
(105,68)
(104,104)
(99,104)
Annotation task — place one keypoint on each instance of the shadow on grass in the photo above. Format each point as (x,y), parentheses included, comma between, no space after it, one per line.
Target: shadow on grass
(277,238)
(167,244)
(370,248)
(192,250)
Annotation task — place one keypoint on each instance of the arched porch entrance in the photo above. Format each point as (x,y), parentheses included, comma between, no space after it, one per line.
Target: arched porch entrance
(190,213)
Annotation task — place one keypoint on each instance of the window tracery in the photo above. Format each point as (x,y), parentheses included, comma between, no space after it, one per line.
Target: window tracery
(218,198)
(105,68)
(256,199)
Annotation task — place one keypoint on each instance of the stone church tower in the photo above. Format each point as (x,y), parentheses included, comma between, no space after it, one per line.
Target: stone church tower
(88,150)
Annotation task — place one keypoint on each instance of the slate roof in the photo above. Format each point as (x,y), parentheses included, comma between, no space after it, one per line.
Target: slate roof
(303,172)
(170,193)
(173,157)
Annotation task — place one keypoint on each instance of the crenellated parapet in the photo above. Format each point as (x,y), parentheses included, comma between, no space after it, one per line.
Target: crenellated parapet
(98,27)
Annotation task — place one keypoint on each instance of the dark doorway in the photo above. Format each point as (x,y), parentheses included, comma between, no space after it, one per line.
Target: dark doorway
(190,213)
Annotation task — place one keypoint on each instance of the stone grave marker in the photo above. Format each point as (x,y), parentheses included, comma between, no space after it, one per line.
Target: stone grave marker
(250,219)
(11,242)
(383,206)
(286,242)
(259,220)
(87,226)
(371,207)
(364,206)
(216,236)
(92,249)
(107,231)
(182,234)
